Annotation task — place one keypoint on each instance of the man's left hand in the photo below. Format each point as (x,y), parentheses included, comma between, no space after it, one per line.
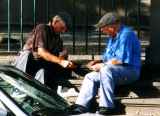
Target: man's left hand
(96,67)
(71,65)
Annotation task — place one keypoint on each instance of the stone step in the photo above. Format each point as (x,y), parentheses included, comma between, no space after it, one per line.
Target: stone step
(134,107)
(141,102)
(7,57)
(80,48)
(130,102)
(80,36)
(142,111)
(155,82)
(142,107)
(135,90)
(123,93)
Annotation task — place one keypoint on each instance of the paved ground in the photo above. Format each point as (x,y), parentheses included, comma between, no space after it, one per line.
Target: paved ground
(93,114)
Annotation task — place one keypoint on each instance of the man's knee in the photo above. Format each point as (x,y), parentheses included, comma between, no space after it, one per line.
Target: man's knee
(106,69)
(106,73)
(92,76)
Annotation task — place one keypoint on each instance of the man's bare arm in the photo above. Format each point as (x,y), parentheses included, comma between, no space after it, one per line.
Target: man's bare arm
(48,56)
(52,58)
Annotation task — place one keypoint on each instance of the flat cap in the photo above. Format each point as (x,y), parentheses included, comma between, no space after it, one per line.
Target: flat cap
(108,19)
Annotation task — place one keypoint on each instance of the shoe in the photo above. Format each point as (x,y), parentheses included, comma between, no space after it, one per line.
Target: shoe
(105,110)
(76,109)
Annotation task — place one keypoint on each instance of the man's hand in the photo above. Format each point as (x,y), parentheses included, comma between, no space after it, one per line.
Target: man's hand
(96,67)
(71,65)
(91,63)
(52,58)
(64,63)
(67,64)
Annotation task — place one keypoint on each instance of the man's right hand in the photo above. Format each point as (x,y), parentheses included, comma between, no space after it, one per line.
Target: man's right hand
(67,64)
(64,63)
(52,58)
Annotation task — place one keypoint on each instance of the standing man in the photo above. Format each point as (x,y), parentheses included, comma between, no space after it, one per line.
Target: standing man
(47,57)
(120,65)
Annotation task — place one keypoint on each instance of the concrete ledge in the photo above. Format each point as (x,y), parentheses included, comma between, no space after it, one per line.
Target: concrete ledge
(8,57)
(91,57)
(142,102)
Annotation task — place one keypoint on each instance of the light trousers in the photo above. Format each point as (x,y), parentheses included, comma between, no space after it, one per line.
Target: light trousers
(105,81)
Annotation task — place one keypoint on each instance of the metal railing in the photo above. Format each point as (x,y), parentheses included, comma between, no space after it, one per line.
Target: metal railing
(86,26)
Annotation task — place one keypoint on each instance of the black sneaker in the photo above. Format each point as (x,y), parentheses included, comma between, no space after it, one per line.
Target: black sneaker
(77,109)
(106,111)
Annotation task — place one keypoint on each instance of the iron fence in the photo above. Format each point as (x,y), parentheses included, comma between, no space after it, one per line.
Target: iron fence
(23,15)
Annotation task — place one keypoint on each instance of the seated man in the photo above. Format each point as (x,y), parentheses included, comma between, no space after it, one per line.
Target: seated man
(120,65)
(47,55)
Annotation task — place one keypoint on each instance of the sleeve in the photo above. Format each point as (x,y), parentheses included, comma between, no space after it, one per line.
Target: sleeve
(40,37)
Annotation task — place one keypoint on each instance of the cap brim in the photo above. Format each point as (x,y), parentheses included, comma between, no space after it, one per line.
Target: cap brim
(97,25)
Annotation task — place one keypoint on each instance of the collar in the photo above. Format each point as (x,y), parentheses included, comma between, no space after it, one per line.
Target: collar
(119,32)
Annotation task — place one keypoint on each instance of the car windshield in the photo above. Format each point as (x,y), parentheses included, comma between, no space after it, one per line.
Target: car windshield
(29,94)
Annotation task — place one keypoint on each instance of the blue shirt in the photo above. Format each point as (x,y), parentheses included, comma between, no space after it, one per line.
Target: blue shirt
(125,47)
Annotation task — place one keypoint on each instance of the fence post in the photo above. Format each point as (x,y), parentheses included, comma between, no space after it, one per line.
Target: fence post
(138,16)
(86,28)
(126,10)
(113,4)
(21,24)
(9,25)
(47,10)
(34,12)
(99,34)
(73,28)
